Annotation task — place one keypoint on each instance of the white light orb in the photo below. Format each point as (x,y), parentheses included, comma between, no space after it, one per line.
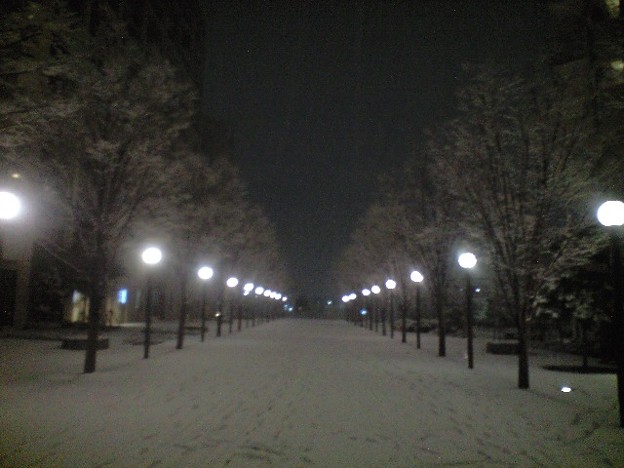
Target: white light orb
(366,292)
(248,287)
(232,282)
(284,299)
(375,289)
(259,290)
(10,205)
(390,284)
(611,213)
(267,293)
(352,296)
(416,276)
(467,260)
(152,255)
(278,296)
(205,273)
(345,298)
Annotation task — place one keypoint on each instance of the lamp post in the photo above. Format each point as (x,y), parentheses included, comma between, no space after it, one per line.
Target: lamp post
(366,293)
(376,290)
(417,278)
(204,274)
(247,289)
(231,283)
(611,214)
(151,257)
(468,261)
(390,285)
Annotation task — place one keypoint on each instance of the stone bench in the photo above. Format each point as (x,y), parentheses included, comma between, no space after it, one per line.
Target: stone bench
(502,348)
(80,344)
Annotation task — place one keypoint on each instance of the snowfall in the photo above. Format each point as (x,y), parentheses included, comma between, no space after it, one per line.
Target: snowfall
(298,393)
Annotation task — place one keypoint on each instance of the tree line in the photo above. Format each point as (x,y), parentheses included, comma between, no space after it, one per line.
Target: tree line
(104,128)
(515,177)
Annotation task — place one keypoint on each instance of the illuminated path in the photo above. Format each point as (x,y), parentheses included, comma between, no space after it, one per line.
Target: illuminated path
(297,393)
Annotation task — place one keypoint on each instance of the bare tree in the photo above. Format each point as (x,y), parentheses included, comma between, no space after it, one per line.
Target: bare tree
(520,165)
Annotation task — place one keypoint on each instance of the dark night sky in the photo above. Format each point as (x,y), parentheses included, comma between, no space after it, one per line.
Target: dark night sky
(324,96)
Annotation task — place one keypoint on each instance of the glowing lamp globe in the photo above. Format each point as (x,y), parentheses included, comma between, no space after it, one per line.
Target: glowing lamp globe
(611,213)
(416,277)
(205,273)
(151,255)
(10,205)
(467,260)
(232,282)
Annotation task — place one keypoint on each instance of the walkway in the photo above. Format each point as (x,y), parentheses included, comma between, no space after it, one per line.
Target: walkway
(298,393)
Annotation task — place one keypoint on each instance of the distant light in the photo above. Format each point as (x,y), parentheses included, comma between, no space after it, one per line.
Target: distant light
(248,287)
(267,292)
(152,255)
(477,289)
(366,292)
(353,296)
(416,276)
(205,273)
(345,298)
(617,65)
(284,299)
(122,296)
(375,289)
(278,296)
(259,290)
(363,312)
(10,205)
(467,260)
(330,302)
(611,213)
(232,282)
(16,175)
(566,389)
(390,284)
(290,309)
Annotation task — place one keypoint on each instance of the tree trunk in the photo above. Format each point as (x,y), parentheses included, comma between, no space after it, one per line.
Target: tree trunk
(523,351)
(183,305)
(96,298)
(441,325)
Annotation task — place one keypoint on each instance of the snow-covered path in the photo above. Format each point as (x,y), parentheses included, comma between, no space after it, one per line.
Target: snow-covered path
(298,393)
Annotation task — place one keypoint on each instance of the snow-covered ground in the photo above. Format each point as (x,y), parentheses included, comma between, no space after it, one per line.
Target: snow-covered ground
(299,393)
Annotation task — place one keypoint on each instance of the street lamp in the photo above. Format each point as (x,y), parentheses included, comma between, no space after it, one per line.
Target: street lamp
(468,261)
(417,278)
(231,283)
(204,273)
(390,285)
(376,290)
(611,214)
(366,293)
(151,257)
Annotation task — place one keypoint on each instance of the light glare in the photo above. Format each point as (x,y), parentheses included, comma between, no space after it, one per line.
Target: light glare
(232,282)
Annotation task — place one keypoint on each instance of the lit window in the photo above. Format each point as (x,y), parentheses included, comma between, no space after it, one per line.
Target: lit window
(122,296)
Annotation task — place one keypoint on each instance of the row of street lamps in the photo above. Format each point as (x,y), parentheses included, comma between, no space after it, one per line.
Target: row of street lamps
(466,260)
(152,256)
